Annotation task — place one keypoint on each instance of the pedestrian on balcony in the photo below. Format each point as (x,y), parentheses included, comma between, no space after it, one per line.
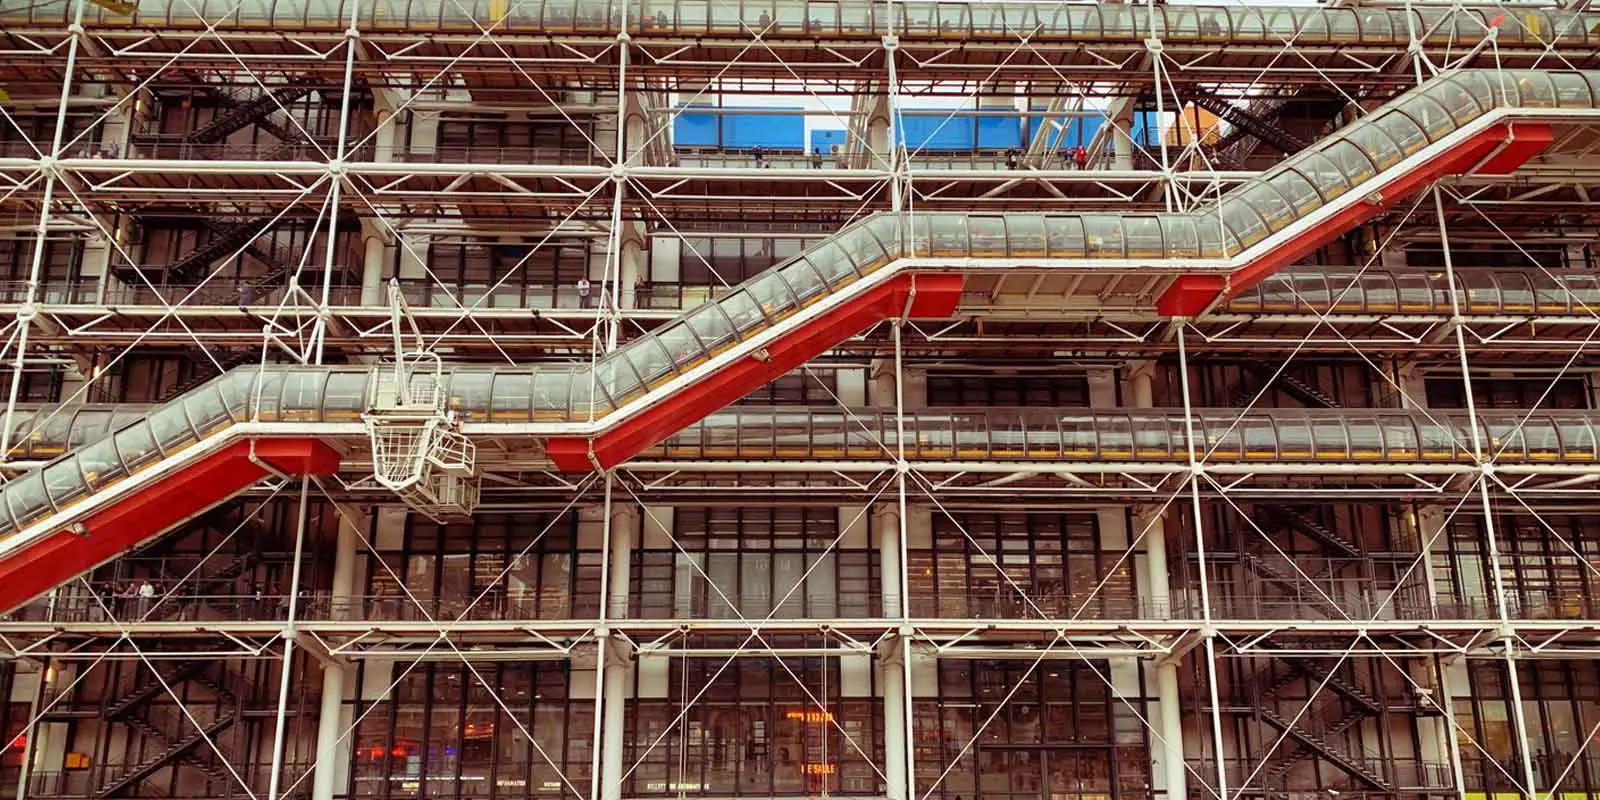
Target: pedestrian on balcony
(147,596)
(247,295)
(1012,158)
(583,292)
(760,155)
(1080,157)
(124,599)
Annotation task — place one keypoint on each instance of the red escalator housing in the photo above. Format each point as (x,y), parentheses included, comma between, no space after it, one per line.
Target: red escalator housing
(928,296)
(1498,150)
(152,509)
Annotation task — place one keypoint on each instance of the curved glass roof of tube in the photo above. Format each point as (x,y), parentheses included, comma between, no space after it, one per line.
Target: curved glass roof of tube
(98,460)
(1243,217)
(915,19)
(1379,291)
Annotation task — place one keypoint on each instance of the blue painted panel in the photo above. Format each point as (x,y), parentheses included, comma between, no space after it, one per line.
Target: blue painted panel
(695,130)
(999,133)
(955,132)
(1075,131)
(734,131)
(772,131)
(826,139)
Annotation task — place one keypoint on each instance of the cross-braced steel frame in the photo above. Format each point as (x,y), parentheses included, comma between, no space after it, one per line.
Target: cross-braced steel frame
(624,182)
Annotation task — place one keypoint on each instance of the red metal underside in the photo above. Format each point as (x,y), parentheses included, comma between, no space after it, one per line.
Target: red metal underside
(152,509)
(928,295)
(1498,150)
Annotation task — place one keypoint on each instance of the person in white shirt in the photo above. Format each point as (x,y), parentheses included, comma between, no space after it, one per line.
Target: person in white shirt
(147,593)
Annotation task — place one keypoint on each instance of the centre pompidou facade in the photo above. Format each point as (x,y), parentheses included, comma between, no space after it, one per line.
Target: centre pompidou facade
(601,399)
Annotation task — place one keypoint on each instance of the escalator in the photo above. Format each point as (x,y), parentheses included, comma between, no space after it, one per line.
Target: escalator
(190,454)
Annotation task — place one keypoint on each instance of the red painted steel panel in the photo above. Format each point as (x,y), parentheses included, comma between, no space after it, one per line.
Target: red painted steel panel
(928,295)
(1498,150)
(152,509)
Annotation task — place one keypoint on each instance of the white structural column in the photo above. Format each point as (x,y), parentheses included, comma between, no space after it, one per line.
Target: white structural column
(333,748)
(1426,526)
(886,532)
(373,256)
(618,664)
(1147,537)
(631,237)
(374,242)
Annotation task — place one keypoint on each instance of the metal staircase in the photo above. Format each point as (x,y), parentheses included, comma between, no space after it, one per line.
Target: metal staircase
(206,371)
(1249,122)
(182,741)
(1315,732)
(190,267)
(257,110)
(1287,518)
(1308,393)
(1318,742)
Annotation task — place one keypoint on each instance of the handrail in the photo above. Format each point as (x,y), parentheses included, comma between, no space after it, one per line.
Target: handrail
(915,19)
(492,401)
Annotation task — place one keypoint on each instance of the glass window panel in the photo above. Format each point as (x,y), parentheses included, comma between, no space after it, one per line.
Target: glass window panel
(949,235)
(64,482)
(137,445)
(1243,221)
(711,327)
(1323,174)
(1342,25)
(1177,230)
(1377,25)
(302,397)
(1535,89)
(864,249)
(1104,236)
(615,376)
(238,391)
(469,392)
(550,388)
(1214,238)
(345,395)
(831,263)
(1117,22)
(1457,99)
(1143,236)
(887,229)
(1572,90)
(206,409)
(1302,196)
(510,397)
(1375,144)
(1434,119)
(743,312)
(988,236)
(171,427)
(26,498)
(100,464)
(773,295)
(1269,204)
(1402,130)
(1026,235)
(679,340)
(804,281)
(1064,235)
(1351,161)
(649,359)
